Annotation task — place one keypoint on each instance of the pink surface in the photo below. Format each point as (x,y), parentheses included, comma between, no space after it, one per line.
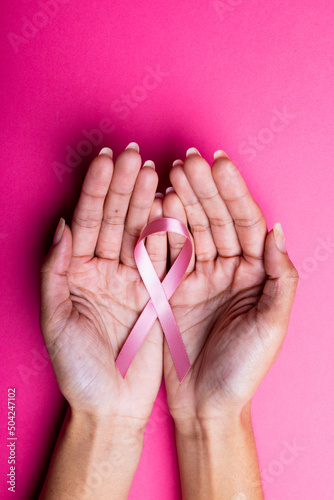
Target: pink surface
(254,78)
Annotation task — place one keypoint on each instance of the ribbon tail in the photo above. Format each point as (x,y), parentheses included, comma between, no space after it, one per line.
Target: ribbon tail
(135,339)
(177,349)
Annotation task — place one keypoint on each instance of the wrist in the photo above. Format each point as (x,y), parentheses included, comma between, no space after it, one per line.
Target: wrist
(113,430)
(204,427)
(217,456)
(96,457)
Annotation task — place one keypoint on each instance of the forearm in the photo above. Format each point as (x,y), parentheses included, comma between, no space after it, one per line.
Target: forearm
(218,460)
(95,458)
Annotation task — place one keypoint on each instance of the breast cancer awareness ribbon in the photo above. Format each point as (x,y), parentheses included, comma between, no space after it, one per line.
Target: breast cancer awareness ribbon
(158,305)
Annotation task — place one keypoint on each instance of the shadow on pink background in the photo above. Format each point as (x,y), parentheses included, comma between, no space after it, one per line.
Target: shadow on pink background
(254,78)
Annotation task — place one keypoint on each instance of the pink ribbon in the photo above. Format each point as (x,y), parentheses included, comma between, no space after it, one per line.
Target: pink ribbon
(158,305)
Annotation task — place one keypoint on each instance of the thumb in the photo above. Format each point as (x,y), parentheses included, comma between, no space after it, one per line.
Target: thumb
(279,291)
(56,304)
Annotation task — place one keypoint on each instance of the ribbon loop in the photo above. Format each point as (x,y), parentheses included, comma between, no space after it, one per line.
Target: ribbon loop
(158,305)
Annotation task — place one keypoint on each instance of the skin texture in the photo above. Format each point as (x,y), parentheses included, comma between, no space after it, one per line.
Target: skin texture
(233,306)
(232,309)
(92,295)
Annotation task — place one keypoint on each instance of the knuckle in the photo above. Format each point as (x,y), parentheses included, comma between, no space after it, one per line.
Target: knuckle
(107,254)
(178,244)
(200,228)
(293,274)
(291,277)
(216,222)
(86,220)
(205,256)
(249,222)
(156,257)
(208,193)
(132,231)
(113,220)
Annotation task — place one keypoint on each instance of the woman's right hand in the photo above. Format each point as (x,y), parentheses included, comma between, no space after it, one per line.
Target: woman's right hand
(92,293)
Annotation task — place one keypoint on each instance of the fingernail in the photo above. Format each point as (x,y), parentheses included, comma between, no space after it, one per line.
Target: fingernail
(219,154)
(133,145)
(177,162)
(149,163)
(170,190)
(106,151)
(279,237)
(159,195)
(59,231)
(193,151)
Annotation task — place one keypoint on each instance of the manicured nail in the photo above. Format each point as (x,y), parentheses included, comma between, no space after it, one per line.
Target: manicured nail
(133,145)
(159,195)
(149,163)
(106,151)
(279,237)
(193,151)
(219,154)
(170,190)
(59,231)
(177,162)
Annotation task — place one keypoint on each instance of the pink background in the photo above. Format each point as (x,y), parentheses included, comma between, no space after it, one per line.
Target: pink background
(223,70)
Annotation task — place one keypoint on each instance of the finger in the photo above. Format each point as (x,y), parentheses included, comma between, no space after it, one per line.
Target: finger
(199,175)
(117,201)
(205,248)
(177,162)
(88,213)
(248,218)
(279,291)
(156,244)
(56,304)
(173,208)
(139,210)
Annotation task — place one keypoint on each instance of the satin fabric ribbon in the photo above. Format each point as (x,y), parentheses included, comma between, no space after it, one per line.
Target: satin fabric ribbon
(158,305)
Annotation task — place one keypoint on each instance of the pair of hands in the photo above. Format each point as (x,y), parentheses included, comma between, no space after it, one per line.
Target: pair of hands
(232,306)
